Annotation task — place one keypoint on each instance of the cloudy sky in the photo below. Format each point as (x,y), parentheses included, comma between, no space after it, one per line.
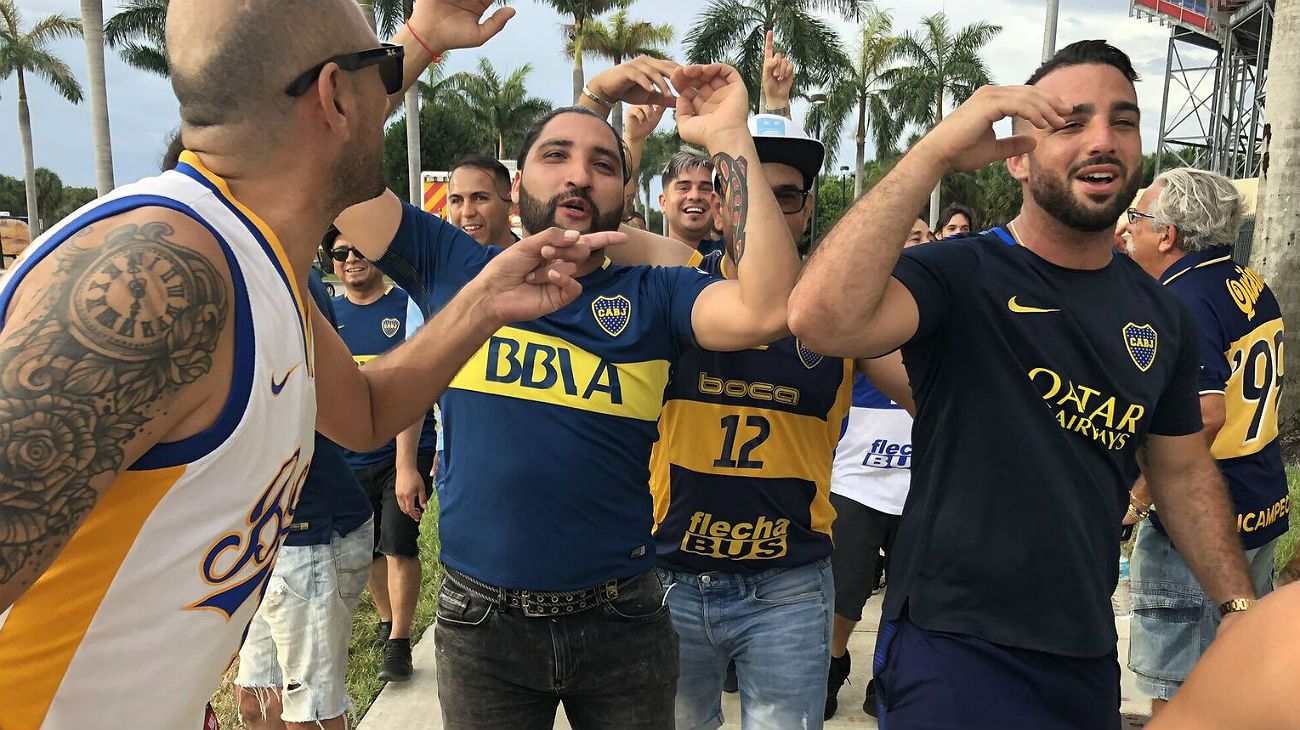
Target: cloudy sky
(143,111)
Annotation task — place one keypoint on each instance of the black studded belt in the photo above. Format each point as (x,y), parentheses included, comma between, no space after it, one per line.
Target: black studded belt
(541,604)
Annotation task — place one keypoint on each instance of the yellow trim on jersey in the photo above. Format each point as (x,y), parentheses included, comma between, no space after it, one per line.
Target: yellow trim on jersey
(516,363)
(68,595)
(694,261)
(277,248)
(1242,434)
(1203,264)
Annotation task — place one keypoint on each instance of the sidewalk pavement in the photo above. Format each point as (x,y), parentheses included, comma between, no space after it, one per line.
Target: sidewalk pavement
(414,705)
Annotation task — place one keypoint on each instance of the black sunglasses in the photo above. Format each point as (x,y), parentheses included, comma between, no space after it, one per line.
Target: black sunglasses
(387,56)
(340,253)
(791,200)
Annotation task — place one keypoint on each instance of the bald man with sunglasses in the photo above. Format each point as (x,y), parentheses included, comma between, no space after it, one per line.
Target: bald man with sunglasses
(159,361)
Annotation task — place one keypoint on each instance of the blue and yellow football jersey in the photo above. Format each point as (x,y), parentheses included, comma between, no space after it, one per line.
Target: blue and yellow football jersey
(1240,327)
(741,473)
(370,330)
(548,427)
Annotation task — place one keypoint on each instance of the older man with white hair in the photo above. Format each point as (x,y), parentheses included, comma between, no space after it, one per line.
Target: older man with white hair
(1182,232)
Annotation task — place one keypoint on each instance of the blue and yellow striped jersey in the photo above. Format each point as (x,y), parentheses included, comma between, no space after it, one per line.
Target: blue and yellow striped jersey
(1240,327)
(741,473)
(548,427)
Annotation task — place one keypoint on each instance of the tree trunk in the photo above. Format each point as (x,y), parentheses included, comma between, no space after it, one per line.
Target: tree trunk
(92,23)
(862,148)
(934,194)
(29,162)
(617,121)
(501,145)
(578,79)
(413,142)
(1275,253)
(645,204)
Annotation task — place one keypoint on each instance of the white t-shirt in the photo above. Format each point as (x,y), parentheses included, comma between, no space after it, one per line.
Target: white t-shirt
(873,461)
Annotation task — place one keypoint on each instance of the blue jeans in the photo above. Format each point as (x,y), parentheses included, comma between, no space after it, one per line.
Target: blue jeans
(1174,622)
(776,625)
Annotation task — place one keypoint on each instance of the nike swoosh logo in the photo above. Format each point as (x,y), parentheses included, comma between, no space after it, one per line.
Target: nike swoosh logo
(1022,309)
(277,387)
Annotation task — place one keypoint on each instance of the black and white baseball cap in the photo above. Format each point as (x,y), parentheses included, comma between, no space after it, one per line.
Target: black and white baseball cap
(782,141)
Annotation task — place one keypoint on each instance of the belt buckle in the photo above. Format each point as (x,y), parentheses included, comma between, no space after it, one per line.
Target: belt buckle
(532,605)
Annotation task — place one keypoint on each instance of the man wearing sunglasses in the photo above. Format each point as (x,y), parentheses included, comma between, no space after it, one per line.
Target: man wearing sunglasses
(159,361)
(549,594)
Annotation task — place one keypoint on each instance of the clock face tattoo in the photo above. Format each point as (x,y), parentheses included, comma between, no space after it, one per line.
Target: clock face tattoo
(130,299)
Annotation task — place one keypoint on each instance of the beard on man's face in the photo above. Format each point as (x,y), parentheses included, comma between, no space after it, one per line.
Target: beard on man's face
(1053,194)
(536,216)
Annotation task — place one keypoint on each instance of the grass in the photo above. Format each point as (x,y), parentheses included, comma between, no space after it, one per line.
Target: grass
(364,655)
(1286,545)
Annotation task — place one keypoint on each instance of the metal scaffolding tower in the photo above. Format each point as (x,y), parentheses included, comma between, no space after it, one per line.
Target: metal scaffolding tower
(1217,64)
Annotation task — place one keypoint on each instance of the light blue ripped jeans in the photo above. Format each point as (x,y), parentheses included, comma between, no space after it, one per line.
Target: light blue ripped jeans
(775,624)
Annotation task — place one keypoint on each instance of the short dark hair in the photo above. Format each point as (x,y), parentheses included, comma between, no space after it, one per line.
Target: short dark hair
(955,209)
(535,131)
(172,155)
(634,213)
(1087,52)
(683,160)
(487,164)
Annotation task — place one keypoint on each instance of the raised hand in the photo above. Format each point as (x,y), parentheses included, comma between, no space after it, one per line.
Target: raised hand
(449,24)
(640,121)
(712,99)
(778,77)
(965,140)
(643,80)
(534,277)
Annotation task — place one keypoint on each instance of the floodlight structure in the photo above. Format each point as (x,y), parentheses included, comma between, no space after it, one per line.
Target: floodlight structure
(1217,68)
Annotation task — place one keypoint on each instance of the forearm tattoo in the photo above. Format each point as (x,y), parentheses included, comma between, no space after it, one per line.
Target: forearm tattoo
(119,327)
(734,174)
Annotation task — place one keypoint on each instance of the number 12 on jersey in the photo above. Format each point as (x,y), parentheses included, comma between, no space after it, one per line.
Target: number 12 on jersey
(755,430)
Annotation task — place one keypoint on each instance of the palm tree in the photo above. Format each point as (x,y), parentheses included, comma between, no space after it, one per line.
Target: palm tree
(389,16)
(582,12)
(736,30)
(946,68)
(622,38)
(659,147)
(23,54)
(92,21)
(862,90)
(138,32)
(504,108)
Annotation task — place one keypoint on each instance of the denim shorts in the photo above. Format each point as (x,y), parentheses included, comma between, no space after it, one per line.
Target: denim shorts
(1173,620)
(298,638)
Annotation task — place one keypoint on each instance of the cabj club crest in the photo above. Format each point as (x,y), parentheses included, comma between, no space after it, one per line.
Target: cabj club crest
(390,325)
(809,358)
(1141,340)
(612,313)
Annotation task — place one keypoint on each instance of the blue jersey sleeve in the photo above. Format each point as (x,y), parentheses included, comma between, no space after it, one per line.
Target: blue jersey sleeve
(938,277)
(681,286)
(414,318)
(321,295)
(429,257)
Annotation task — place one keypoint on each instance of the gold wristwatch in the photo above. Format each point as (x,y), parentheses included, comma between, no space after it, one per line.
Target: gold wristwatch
(1235,605)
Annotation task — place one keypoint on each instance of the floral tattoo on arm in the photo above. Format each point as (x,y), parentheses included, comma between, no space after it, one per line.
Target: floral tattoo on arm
(119,328)
(733,173)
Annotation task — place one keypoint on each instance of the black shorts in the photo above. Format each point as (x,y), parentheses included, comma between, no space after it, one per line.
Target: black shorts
(396,533)
(860,532)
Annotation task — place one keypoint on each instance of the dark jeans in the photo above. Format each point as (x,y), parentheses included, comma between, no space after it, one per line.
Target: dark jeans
(613,666)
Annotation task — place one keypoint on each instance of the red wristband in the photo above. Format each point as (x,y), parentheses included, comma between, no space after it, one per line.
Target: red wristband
(436,58)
